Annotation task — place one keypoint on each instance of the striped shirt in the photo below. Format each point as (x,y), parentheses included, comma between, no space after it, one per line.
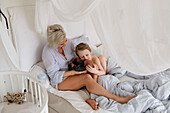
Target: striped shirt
(55,63)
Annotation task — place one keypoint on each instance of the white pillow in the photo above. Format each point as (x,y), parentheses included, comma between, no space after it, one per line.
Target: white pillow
(29,44)
(84,39)
(38,70)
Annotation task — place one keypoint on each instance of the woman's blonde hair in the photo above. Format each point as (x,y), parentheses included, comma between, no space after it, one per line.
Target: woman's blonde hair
(55,35)
(81,47)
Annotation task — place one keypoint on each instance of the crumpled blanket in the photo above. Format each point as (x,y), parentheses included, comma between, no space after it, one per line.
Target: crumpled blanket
(153,93)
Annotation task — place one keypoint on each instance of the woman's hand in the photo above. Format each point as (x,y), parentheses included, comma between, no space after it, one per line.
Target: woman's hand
(92,69)
(73,72)
(78,72)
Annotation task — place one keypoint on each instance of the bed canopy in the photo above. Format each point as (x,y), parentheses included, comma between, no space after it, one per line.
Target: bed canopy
(135,33)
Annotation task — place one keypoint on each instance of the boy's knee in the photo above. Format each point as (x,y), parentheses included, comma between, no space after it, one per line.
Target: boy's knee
(87,77)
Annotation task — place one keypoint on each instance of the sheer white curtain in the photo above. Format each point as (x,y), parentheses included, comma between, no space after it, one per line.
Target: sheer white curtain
(8,54)
(64,10)
(136,33)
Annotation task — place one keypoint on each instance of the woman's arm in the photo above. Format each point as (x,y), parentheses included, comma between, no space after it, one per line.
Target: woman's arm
(73,72)
(53,71)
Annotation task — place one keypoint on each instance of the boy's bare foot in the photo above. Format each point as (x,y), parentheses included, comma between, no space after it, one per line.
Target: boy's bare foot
(92,103)
(124,100)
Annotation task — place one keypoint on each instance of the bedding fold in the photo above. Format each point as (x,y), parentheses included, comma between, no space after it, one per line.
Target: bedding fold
(153,94)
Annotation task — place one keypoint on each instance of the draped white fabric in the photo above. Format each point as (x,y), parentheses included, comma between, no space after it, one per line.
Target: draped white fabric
(136,33)
(8,54)
(64,10)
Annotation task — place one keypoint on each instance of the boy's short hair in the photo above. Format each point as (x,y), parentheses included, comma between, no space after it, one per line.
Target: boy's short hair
(81,47)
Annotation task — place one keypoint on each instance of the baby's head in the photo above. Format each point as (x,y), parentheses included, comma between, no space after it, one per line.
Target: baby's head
(88,62)
(83,51)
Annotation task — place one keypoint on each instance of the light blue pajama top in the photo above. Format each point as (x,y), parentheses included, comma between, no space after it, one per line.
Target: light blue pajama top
(55,63)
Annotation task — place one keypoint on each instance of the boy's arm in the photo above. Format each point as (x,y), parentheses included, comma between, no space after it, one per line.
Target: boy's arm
(98,69)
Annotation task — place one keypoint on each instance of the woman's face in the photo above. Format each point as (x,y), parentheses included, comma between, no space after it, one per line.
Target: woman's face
(84,54)
(63,43)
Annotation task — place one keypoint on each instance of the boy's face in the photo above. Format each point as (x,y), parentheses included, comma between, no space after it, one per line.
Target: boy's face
(84,54)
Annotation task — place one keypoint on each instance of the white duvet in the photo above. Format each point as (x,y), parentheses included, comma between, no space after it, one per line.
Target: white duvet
(153,94)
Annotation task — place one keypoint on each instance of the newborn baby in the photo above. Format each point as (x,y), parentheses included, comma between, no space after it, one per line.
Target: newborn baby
(78,65)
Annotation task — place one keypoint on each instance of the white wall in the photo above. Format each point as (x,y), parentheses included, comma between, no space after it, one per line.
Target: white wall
(11,3)
(4,4)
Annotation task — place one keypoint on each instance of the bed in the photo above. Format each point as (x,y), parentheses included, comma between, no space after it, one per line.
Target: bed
(73,101)
(29,46)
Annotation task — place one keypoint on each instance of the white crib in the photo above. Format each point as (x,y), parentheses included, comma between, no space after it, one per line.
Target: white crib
(17,81)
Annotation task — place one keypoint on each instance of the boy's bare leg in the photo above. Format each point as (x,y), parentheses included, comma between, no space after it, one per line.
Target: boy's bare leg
(92,103)
(95,77)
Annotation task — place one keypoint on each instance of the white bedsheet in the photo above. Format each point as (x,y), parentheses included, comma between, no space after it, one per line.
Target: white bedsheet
(77,98)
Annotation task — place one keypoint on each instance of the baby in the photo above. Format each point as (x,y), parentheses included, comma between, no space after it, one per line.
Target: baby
(78,65)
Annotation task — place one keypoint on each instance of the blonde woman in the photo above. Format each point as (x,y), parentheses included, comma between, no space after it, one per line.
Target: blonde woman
(55,56)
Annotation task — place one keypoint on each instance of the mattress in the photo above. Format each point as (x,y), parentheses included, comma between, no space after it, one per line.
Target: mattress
(26,107)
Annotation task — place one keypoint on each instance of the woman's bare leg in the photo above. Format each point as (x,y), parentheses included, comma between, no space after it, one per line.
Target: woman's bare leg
(78,81)
(91,102)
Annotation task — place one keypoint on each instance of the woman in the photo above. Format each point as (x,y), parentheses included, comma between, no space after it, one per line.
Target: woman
(55,56)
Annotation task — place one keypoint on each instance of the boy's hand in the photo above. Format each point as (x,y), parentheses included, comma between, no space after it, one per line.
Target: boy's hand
(91,69)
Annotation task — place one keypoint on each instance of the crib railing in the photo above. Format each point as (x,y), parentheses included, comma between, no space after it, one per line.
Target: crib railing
(17,81)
